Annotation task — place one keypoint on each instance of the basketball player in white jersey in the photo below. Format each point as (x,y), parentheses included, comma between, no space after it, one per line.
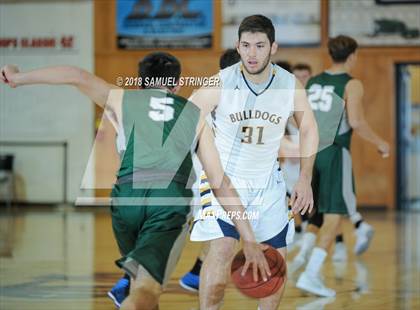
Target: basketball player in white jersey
(191,280)
(251,108)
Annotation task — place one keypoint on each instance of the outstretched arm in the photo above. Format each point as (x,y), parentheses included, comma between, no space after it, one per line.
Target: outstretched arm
(90,85)
(354,98)
(302,197)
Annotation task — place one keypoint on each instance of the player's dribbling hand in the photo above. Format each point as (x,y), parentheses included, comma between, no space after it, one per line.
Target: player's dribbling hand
(383,149)
(254,255)
(302,197)
(7,73)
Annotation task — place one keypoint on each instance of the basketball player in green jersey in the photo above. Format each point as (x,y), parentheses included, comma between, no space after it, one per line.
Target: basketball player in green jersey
(336,99)
(156,133)
(363,231)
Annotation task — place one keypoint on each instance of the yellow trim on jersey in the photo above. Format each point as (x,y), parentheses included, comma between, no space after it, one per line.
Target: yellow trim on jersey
(206,201)
(290,215)
(204,188)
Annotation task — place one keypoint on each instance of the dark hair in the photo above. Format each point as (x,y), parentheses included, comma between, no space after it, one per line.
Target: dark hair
(302,66)
(159,65)
(229,58)
(257,23)
(285,65)
(341,47)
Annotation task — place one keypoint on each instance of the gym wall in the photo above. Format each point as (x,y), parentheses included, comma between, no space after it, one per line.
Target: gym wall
(375,177)
(36,121)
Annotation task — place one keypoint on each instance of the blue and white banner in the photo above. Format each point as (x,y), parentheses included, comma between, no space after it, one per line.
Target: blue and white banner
(164,23)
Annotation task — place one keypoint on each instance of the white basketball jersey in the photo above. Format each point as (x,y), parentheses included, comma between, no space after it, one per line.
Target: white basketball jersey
(250,120)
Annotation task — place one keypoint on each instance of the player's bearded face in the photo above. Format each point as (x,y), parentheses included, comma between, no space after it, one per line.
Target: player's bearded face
(255,51)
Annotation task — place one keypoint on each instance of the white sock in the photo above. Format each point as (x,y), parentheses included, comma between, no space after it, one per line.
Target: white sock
(315,261)
(308,242)
(355,217)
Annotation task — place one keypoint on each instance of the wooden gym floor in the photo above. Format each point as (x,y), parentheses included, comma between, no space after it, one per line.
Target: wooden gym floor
(63,259)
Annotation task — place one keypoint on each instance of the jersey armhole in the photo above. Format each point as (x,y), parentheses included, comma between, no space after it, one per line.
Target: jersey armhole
(113,108)
(197,144)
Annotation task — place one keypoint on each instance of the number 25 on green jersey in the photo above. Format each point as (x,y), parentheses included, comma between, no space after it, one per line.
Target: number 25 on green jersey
(321,97)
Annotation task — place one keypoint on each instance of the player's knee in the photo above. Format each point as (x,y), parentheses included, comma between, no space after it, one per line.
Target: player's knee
(140,298)
(145,283)
(128,305)
(333,220)
(317,220)
(216,291)
(148,286)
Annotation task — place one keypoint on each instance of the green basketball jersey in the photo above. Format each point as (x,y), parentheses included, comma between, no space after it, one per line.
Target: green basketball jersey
(325,95)
(160,130)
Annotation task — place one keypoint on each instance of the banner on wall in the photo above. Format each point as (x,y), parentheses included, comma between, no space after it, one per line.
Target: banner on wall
(380,23)
(44,43)
(164,23)
(297,22)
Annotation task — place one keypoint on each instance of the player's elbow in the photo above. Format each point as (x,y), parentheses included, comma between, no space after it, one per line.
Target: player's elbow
(78,77)
(355,124)
(220,184)
(216,180)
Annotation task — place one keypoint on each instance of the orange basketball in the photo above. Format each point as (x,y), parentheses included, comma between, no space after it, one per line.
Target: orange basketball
(259,289)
